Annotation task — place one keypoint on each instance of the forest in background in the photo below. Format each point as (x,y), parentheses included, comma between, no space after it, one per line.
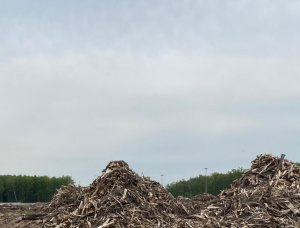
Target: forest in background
(216,182)
(29,189)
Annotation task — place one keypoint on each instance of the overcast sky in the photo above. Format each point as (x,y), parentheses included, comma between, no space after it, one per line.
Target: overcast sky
(171,86)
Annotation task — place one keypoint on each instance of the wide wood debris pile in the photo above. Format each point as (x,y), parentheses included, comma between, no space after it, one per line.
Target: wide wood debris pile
(267,195)
(118,198)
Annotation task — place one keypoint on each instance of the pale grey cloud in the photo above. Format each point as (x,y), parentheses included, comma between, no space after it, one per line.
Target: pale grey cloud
(259,28)
(85,107)
(169,86)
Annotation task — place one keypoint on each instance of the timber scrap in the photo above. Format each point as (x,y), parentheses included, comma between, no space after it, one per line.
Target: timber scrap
(267,195)
(118,198)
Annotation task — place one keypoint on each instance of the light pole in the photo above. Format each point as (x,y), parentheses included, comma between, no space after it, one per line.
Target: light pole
(162,179)
(205,180)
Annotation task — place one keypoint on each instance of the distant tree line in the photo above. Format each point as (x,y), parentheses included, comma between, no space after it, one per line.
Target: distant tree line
(216,182)
(29,189)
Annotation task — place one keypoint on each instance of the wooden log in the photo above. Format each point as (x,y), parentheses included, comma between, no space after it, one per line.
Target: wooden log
(34,216)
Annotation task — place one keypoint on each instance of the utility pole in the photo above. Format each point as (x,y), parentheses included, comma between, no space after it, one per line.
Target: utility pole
(205,180)
(162,179)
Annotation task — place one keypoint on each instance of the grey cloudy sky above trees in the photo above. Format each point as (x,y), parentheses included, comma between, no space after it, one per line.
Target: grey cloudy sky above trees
(171,87)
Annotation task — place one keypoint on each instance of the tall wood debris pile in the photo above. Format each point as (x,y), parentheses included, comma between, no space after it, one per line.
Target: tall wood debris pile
(118,198)
(267,195)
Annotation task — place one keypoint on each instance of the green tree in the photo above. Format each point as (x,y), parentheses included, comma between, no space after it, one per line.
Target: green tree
(1,190)
(30,188)
(216,182)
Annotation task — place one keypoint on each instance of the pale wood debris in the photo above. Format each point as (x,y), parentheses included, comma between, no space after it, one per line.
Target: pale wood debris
(118,198)
(267,195)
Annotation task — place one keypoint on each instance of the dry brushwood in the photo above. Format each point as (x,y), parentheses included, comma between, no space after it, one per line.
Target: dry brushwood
(196,203)
(118,198)
(267,195)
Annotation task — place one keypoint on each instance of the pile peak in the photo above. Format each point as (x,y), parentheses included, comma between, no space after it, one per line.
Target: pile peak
(270,170)
(116,165)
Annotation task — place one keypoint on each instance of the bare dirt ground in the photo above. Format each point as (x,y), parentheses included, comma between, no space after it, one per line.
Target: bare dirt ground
(12,216)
